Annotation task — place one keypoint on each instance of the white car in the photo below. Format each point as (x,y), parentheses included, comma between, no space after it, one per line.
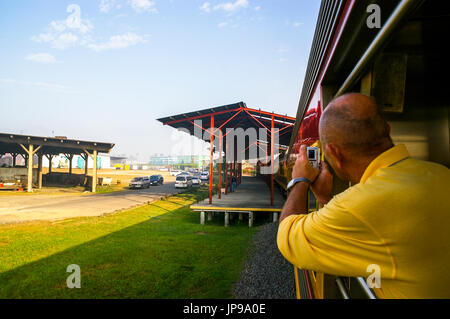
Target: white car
(196,181)
(184,174)
(183,181)
(140,182)
(204,176)
(174,172)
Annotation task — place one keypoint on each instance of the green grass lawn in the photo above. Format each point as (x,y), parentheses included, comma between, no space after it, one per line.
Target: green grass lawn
(156,251)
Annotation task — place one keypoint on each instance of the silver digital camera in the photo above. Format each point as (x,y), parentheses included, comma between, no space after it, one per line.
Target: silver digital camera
(313,154)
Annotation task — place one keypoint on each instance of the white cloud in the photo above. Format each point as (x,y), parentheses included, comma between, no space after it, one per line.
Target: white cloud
(297,24)
(222,24)
(118,42)
(232,6)
(43,37)
(63,34)
(64,41)
(41,58)
(106,5)
(75,31)
(206,7)
(57,41)
(257,8)
(143,5)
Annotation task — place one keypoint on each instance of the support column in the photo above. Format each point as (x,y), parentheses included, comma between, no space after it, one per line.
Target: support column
(275,217)
(226,176)
(40,155)
(251,218)
(86,160)
(94,174)
(211,159)
(202,218)
(231,176)
(210,216)
(220,164)
(94,170)
(271,160)
(14,159)
(30,168)
(30,153)
(50,157)
(227,219)
(240,173)
(235,174)
(70,158)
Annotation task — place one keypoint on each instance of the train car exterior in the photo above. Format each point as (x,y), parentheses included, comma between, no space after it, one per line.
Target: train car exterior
(395,52)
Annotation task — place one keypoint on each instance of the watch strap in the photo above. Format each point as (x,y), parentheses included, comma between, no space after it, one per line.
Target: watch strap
(298,180)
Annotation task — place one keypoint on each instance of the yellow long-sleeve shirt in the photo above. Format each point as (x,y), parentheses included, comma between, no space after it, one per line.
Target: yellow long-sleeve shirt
(397,217)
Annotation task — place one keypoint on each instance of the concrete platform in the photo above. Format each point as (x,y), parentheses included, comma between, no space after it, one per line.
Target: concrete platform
(252,196)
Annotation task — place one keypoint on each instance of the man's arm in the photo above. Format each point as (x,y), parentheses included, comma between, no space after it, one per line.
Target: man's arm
(296,202)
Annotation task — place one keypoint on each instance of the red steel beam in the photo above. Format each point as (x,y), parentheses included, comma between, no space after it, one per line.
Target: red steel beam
(226,172)
(238,112)
(272,144)
(220,167)
(202,116)
(271,114)
(211,160)
(257,120)
(229,111)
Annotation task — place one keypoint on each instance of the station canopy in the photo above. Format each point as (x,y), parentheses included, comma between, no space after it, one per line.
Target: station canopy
(236,115)
(11,143)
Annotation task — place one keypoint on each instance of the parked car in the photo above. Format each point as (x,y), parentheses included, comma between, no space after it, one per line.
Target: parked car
(140,182)
(183,181)
(184,174)
(156,180)
(204,176)
(174,172)
(196,181)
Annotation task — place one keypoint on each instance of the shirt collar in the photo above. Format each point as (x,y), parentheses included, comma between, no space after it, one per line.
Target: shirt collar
(385,159)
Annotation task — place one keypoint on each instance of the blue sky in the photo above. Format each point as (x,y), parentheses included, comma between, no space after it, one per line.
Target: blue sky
(105,70)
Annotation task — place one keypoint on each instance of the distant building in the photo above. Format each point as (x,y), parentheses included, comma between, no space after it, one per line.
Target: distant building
(61,161)
(192,160)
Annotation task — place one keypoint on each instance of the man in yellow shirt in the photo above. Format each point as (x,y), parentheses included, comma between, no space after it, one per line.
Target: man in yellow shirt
(395,217)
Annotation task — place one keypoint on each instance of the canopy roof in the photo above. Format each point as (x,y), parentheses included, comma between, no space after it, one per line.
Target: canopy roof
(236,115)
(10,143)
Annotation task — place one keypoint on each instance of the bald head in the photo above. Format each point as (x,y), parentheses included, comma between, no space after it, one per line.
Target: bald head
(354,123)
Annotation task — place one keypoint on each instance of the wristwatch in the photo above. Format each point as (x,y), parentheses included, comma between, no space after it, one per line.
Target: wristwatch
(297,180)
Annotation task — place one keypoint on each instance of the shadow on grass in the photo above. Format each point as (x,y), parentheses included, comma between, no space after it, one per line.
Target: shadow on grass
(171,256)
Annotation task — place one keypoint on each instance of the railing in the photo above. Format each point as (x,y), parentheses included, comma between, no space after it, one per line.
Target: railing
(345,294)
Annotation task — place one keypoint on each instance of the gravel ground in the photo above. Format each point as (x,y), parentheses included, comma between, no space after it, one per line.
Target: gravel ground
(266,274)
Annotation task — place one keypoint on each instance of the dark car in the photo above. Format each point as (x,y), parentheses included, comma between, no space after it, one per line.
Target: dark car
(156,180)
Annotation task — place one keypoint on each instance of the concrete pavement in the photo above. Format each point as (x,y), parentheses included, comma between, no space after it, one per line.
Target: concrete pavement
(20,208)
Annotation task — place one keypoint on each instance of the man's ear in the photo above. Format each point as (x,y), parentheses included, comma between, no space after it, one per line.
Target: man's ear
(388,128)
(335,152)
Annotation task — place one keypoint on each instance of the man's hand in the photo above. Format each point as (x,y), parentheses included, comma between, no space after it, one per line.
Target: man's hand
(303,167)
(323,184)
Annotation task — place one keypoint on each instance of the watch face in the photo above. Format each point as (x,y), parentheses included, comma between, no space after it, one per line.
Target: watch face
(290,184)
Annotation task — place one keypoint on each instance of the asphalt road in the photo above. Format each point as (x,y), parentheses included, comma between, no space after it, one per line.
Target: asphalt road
(20,208)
